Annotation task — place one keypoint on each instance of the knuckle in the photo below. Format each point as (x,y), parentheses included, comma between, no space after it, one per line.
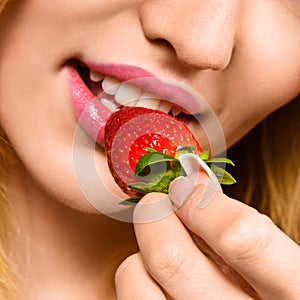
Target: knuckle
(167,265)
(245,236)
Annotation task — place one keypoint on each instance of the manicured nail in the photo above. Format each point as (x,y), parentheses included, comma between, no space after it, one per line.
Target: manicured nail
(180,190)
(208,194)
(192,164)
(197,172)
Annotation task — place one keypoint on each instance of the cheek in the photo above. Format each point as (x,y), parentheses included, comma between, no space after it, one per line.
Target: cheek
(40,125)
(35,110)
(274,54)
(42,140)
(265,70)
(36,115)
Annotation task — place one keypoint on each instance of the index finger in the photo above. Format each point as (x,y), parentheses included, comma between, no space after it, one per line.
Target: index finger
(244,238)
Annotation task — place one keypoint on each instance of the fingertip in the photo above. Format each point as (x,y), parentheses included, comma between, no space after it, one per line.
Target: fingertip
(180,190)
(201,192)
(152,207)
(199,177)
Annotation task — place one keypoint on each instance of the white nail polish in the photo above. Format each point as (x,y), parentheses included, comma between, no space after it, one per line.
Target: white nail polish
(193,164)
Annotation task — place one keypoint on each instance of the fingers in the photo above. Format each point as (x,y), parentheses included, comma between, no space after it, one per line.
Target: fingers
(176,263)
(246,240)
(133,282)
(234,276)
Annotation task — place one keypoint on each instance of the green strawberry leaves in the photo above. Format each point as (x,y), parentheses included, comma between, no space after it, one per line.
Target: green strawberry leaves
(155,171)
(153,158)
(223,176)
(184,150)
(131,201)
(204,155)
(161,183)
(218,160)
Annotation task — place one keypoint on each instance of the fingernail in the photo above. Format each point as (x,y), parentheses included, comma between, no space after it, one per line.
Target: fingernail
(197,172)
(180,190)
(207,195)
(193,164)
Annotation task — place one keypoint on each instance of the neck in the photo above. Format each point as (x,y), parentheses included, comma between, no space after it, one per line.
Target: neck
(62,253)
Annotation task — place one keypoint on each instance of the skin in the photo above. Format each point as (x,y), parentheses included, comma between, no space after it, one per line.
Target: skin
(240,55)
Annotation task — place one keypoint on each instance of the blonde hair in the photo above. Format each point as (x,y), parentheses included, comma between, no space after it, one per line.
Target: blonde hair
(8,286)
(8,283)
(2,4)
(269,166)
(268,163)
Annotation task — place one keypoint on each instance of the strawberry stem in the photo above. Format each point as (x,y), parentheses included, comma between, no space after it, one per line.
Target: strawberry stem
(155,171)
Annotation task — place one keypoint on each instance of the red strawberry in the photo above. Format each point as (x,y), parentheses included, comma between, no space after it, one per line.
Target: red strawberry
(154,141)
(131,132)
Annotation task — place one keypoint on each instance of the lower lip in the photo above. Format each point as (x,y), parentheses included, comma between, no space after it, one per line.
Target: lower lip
(91,114)
(89,111)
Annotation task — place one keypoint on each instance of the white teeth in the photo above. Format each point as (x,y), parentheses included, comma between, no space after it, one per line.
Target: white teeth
(96,76)
(165,106)
(127,94)
(148,103)
(110,85)
(108,104)
(175,111)
(148,96)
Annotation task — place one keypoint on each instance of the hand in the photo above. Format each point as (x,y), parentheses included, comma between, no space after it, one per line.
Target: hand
(250,258)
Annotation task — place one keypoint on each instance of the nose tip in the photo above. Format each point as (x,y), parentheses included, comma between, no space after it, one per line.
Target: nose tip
(200,32)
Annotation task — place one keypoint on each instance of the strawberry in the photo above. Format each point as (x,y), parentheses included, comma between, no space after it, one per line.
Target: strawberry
(143,146)
(154,141)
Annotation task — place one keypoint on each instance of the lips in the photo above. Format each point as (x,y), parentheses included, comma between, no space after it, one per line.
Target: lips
(99,90)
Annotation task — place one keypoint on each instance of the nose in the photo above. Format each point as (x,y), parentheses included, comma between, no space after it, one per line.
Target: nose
(200,32)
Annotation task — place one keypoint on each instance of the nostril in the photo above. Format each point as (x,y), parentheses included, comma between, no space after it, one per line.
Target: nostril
(163,42)
(202,56)
(200,33)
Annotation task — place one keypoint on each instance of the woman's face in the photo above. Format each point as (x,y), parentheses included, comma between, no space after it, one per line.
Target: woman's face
(243,57)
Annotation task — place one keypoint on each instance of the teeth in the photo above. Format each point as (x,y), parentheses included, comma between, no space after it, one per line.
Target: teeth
(175,111)
(148,100)
(165,106)
(148,96)
(96,77)
(110,85)
(152,104)
(127,94)
(108,104)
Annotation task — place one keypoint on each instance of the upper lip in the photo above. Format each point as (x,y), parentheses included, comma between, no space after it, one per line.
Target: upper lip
(179,95)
